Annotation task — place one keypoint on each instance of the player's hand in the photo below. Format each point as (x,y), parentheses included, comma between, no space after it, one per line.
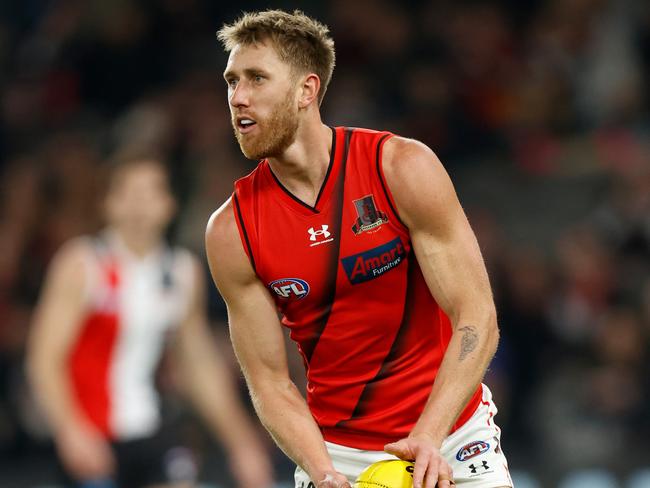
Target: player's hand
(431,469)
(251,467)
(85,454)
(333,480)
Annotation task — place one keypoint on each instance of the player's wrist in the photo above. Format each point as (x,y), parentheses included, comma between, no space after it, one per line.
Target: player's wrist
(322,472)
(331,479)
(436,439)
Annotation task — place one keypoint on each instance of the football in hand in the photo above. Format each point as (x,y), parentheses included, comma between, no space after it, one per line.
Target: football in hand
(392,473)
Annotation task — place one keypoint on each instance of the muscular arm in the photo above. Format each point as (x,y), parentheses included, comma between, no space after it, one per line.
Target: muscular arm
(209,384)
(55,326)
(259,345)
(453,268)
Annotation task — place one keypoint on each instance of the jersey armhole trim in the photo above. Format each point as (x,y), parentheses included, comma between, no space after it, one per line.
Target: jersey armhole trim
(382,179)
(243,234)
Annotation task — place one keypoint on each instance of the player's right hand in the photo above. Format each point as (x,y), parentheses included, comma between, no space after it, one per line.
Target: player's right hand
(85,454)
(431,469)
(333,480)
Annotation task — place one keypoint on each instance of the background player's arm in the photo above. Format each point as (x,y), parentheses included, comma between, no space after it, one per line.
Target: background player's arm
(208,382)
(259,345)
(449,255)
(55,327)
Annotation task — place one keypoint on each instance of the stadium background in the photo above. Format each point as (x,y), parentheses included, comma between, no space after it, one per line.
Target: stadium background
(539,110)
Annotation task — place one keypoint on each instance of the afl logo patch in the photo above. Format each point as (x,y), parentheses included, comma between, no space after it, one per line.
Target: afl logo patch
(290,288)
(471,450)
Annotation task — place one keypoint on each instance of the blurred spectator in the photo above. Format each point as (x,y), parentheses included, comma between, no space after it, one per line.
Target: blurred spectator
(588,408)
(587,288)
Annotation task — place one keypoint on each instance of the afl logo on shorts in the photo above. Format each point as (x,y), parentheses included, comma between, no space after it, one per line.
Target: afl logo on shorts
(290,288)
(473,449)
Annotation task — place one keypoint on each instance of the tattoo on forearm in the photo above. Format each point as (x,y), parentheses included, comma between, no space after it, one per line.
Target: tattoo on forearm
(468,342)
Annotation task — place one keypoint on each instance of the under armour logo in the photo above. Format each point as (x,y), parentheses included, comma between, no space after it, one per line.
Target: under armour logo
(322,232)
(474,468)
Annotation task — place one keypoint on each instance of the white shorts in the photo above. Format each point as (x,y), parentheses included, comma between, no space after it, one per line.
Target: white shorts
(473,452)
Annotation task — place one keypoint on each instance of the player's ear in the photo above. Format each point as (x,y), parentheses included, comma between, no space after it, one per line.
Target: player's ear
(309,90)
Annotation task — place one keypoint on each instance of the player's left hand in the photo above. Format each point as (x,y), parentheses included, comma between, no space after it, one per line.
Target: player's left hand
(431,470)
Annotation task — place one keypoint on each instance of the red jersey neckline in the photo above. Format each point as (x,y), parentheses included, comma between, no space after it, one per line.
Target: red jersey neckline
(326,187)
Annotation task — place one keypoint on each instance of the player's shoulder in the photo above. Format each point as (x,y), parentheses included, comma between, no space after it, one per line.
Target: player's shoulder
(226,257)
(221,234)
(75,250)
(395,144)
(367,132)
(409,159)
(70,261)
(404,150)
(221,223)
(366,137)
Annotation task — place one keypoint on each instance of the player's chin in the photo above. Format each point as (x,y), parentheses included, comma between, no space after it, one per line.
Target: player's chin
(252,153)
(251,150)
(245,143)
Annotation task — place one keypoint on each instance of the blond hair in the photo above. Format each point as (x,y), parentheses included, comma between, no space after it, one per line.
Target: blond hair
(302,42)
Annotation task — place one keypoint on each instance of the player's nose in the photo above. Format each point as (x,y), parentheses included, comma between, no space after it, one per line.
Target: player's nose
(240,96)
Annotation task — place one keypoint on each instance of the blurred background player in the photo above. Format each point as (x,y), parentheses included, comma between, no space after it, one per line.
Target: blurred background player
(110,304)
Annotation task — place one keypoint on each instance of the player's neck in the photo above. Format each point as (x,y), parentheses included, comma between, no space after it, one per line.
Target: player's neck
(303,166)
(137,244)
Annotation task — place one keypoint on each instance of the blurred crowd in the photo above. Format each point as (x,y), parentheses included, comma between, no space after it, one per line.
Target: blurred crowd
(539,109)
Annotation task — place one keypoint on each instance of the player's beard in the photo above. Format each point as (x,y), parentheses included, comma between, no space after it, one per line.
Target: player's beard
(274,135)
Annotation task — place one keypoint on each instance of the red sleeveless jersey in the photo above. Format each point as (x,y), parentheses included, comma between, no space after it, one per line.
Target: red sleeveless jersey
(346,281)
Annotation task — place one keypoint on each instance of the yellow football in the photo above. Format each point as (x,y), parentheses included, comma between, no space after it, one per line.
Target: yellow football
(391,473)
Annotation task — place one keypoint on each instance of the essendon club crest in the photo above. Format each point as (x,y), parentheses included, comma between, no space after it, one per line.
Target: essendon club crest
(368,215)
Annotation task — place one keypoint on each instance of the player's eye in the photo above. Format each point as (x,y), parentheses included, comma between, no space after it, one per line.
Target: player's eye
(232,83)
(258,78)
